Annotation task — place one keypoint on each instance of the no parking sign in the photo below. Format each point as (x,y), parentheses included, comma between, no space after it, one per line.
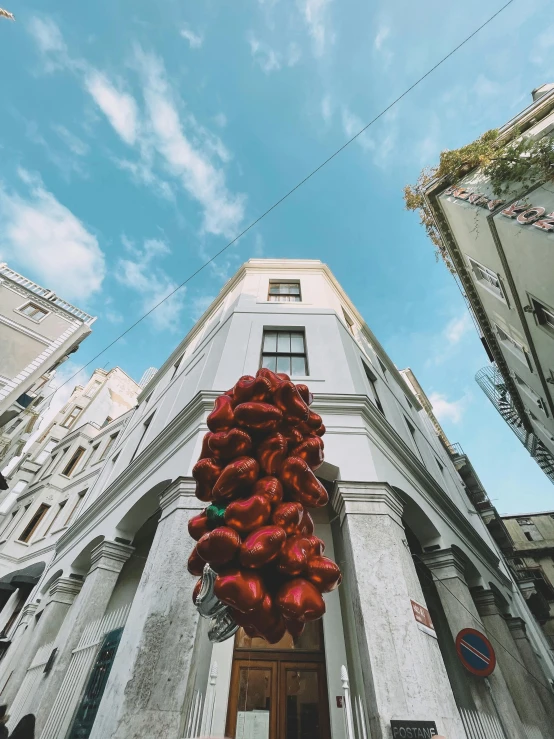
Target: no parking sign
(476,653)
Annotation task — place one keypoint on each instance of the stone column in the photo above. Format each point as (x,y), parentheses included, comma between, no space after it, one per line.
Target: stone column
(520,683)
(21,636)
(532,663)
(403,671)
(149,680)
(61,595)
(448,569)
(107,559)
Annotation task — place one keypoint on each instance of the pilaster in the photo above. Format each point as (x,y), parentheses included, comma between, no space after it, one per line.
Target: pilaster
(367,499)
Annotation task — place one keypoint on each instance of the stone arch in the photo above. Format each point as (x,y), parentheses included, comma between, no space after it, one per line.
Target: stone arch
(472,574)
(49,581)
(141,511)
(418,522)
(81,563)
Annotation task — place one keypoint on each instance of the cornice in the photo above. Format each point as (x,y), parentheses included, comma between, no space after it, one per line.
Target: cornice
(109,555)
(46,304)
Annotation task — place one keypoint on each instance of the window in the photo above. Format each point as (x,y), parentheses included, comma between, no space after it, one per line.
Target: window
(107,420)
(488,279)
(373,382)
(33,524)
(349,321)
(412,431)
(109,445)
(408,401)
(512,345)
(145,429)
(382,366)
(439,465)
(73,462)
(93,388)
(14,425)
(56,517)
(91,455)
(49,465)
(547,433)
(70,420)
(175,368)
(531,394)
(77,505)
(544,315)
(284,292)
(529,529)
(31,310)
(285,351)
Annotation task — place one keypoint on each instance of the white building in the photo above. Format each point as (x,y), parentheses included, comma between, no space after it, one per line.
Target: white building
(109,644)
(502,251)
(38,331)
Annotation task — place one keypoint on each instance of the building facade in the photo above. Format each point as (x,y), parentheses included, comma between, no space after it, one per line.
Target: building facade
(109,644)
(501,250)
(38,331)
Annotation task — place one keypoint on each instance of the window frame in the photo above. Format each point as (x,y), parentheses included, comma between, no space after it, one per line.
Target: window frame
(70,467)
(33,524)
(69,420)
(513,346)
(96,385)
(266,354)
(146,426)
(21,310)
(540,310)
(373,380)
(282,297)
(77,506)
(109,446)
(485,281)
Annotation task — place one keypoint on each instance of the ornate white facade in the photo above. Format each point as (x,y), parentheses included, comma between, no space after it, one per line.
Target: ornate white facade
(109,643)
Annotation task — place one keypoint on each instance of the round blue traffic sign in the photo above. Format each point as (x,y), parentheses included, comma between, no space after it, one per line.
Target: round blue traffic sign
(475,652)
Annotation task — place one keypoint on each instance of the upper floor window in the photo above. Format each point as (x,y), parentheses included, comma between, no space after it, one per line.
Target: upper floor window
(488,279)
(373,382)
(34,523)
(93,388)
(544,315)
(175,368)
(531,394)
(284,292)
(73,462)
(34,311)
(349,321)
(145,427)
(512,345)
(106,421)
(70,420)
(109,445)
(285,351)
(529,529)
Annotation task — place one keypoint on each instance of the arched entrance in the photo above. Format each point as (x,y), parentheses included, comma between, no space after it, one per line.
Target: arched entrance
(279,691)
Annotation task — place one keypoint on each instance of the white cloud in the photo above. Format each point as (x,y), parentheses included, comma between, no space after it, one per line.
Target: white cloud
(382,34)
(200,305)
(78,147)
(185,158)
(351,124)
(542,45)
(380,45)
(448,410)
(220,120)
(38,234)
(458,328)
(119,107)
(267,59)
(48,38)
(316,16)
(142,273)
(195,40)
(327,108)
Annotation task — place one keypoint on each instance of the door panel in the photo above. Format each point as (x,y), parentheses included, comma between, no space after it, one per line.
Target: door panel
(253,700)
(304,708)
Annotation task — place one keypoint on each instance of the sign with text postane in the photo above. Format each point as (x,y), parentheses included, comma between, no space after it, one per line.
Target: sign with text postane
(413,729)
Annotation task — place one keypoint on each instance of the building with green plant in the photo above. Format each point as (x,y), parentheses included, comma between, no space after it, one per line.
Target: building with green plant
(489,209)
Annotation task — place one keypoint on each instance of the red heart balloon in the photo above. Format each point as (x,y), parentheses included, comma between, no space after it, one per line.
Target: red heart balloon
(282,376)
(206,472)
(196,591)
(195,564)
(306,527)
(324,573)
(311,451)
(222,417)
(219,546)
(238,475)
(293,436)
(206,451)
(295,628)
(252,388)
(241,589)
(305,394)
(230,444)
(293,558)
(258,416)
(248,514)
(314,420)
(288,517)
(300,600)
(320,431)
(271,453)
(273,379)
(271,488)
(262,546)
(288,400)
(317,547)
(198,526)
(301,483)
(273,634)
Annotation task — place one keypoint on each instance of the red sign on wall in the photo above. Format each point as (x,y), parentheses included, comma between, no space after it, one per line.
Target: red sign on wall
(422,616)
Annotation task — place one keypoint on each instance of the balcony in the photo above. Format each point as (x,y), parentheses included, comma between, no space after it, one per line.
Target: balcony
(492,383)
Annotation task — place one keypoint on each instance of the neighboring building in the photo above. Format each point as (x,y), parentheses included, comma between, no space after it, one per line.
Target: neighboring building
(502,251)
(147,376)
(532,559)
(38,331)
(109,644)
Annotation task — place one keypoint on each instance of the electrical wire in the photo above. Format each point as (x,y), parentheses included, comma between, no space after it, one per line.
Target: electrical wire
(489,632)
(292,190)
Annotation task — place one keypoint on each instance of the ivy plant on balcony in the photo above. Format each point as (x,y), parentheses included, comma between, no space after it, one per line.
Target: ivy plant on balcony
(520,159)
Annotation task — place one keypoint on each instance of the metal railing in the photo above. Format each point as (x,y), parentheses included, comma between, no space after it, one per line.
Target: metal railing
(492,383)
(45,293)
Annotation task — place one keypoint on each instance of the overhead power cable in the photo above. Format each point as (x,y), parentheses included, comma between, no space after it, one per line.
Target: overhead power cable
(292,190)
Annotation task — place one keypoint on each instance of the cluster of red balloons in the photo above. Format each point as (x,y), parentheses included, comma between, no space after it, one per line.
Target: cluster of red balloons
(256,471)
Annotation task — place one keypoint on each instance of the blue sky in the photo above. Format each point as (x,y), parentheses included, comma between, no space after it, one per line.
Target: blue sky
(137,138)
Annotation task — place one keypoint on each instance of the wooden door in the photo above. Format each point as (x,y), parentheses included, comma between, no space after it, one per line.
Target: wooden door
(253,699)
